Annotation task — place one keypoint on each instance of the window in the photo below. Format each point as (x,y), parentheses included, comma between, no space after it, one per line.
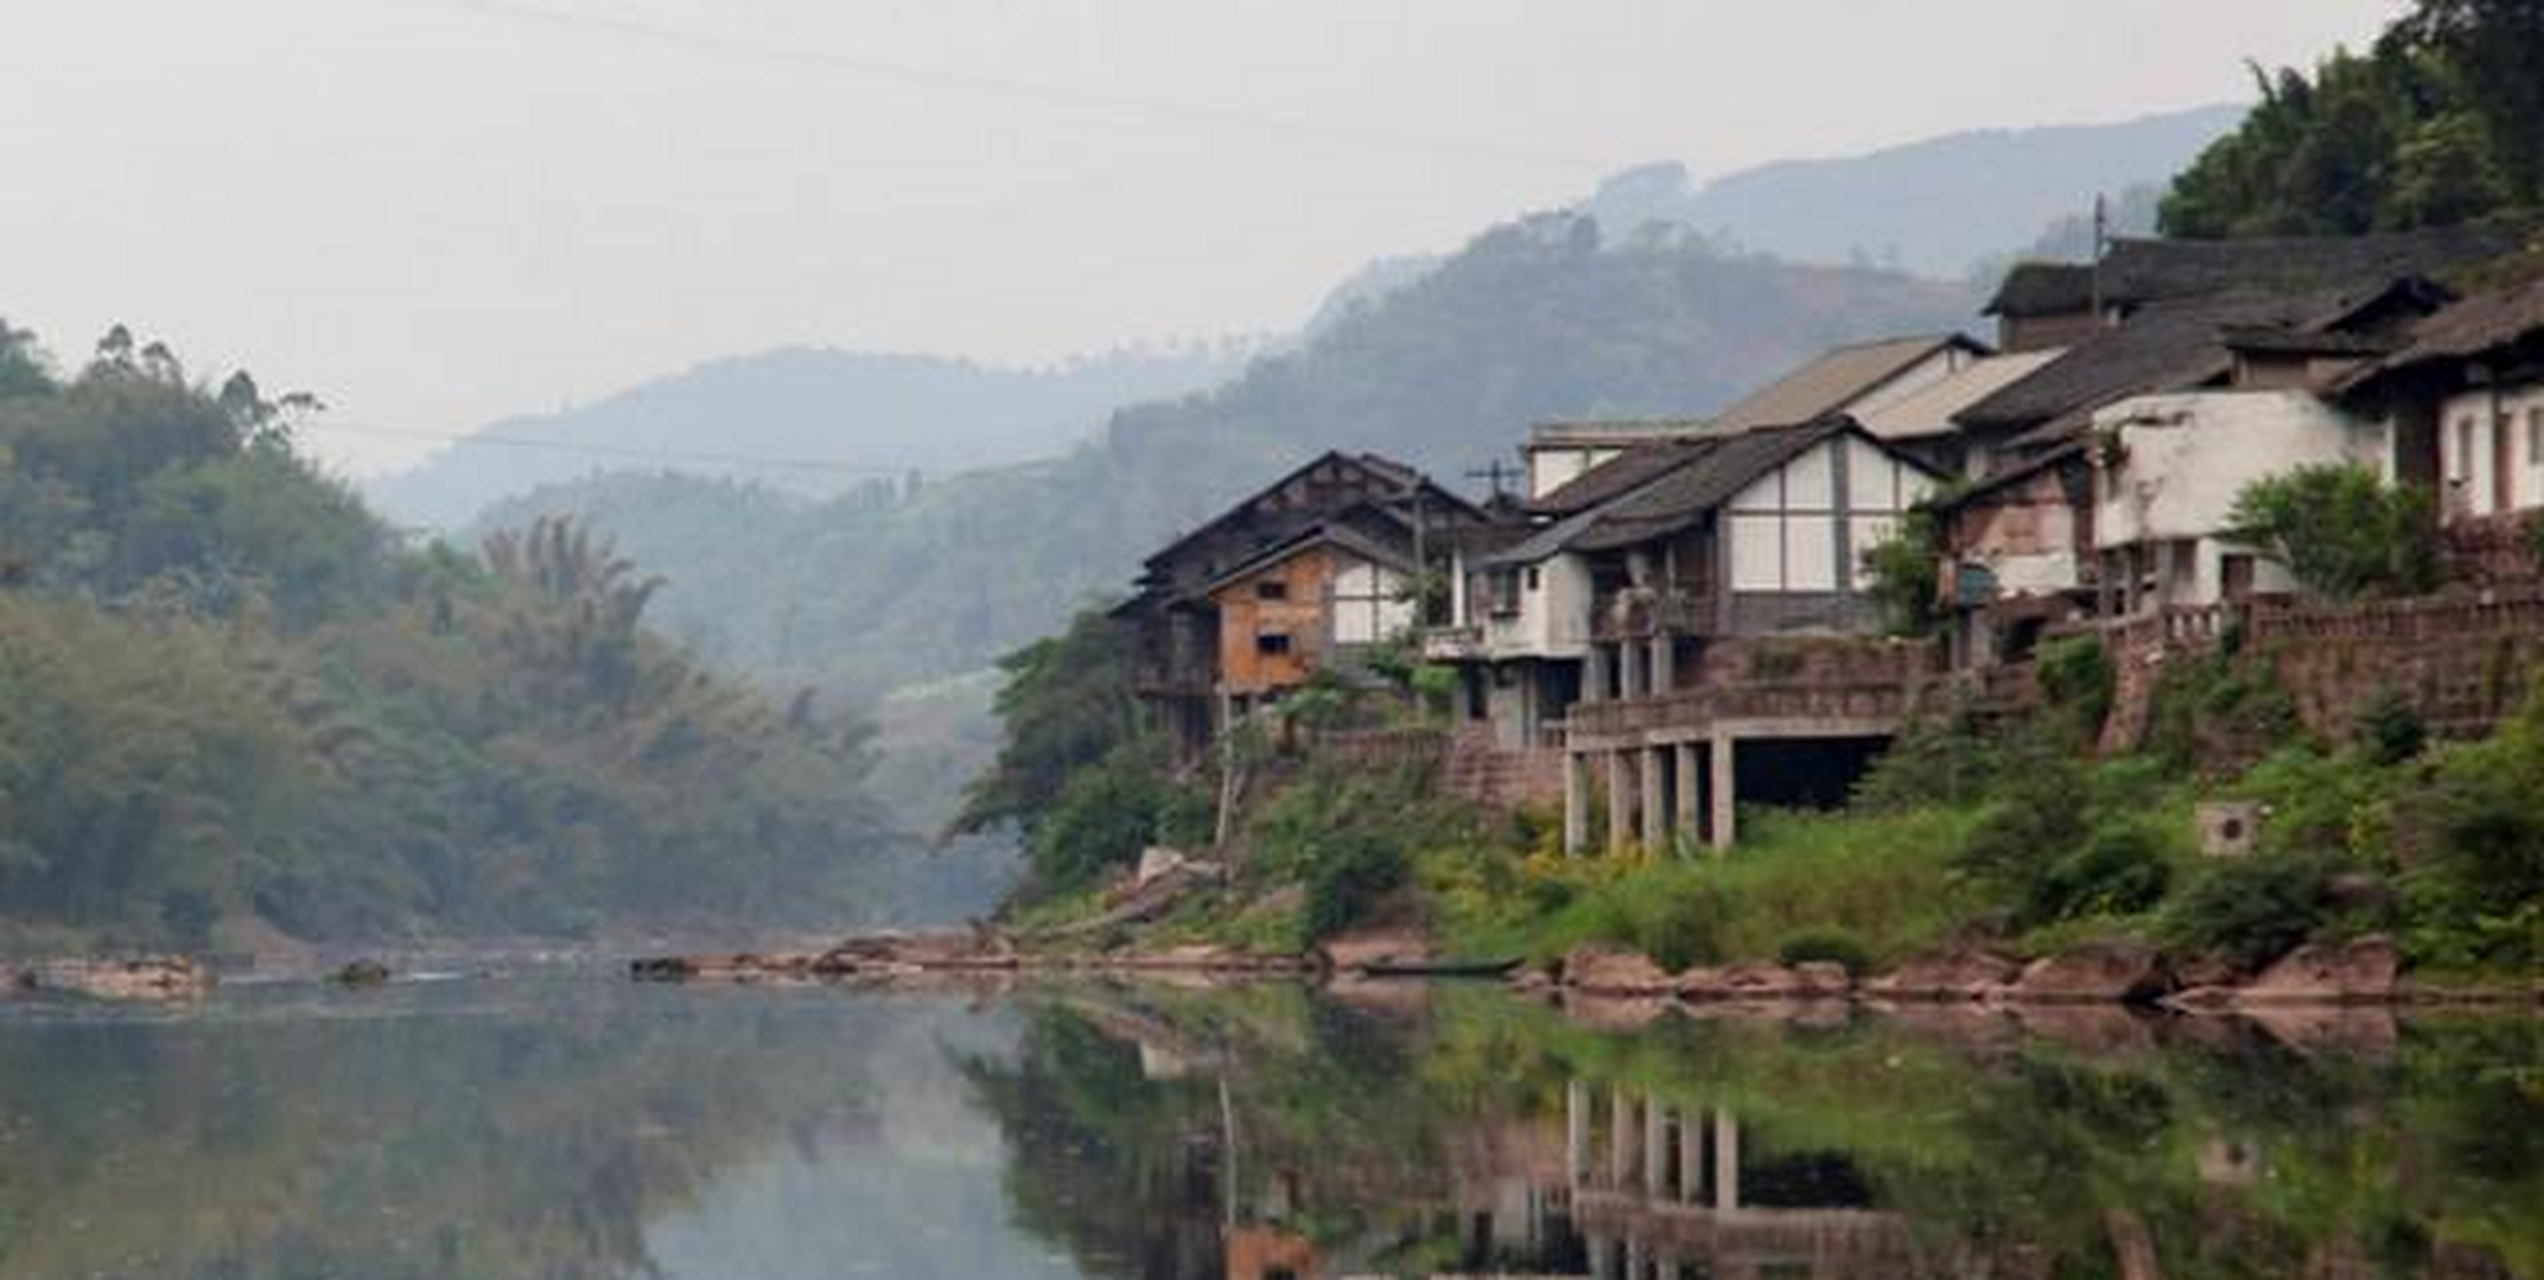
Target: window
(1272,644)
(2463,468)
(1532,569)
(1503,587)
(1272,589)
(2535,437)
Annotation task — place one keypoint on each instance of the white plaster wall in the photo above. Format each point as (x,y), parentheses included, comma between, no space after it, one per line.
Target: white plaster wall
(1551,467)
(1370,603)
(2471,478)
(2188,455)
(1554,615)
(1782,527)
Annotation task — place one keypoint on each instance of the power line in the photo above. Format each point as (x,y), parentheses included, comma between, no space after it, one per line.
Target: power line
(668,456)
(994,86)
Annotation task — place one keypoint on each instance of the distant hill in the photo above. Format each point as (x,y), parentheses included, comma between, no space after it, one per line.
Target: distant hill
(853,415)
(1933,207)
(879,588)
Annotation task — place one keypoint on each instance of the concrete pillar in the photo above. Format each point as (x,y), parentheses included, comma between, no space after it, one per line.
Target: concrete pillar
(1625,1140)
(1684,757)
(1595,674)
(1664,664)
(1635,1259)
(1620,802)
(1726,1161)
(1656,824)
(1603,1257)
(1691,1156)
(1576,1133)
(1655,1150)
(1633,671)
(1576,802)
(1723,805)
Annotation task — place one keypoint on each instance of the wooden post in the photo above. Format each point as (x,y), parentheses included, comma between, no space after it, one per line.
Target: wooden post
(1576,1133)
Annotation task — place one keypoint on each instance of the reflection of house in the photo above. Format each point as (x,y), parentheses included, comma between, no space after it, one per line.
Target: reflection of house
(1312,566)
(1664,1190)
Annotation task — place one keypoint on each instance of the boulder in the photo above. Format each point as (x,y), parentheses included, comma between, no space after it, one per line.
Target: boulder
(2094,973)
(1967,976)
(1156,861)
(133,978)
(1811,980)
(2357,972)
(1822,980)
(1360,951)
(1599,970)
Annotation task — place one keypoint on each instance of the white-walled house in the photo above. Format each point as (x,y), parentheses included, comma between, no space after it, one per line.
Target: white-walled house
(2168,469)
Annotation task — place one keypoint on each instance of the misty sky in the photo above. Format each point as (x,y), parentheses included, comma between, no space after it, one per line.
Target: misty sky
(435,212)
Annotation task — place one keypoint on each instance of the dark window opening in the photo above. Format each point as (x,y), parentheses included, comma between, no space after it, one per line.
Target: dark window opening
(1272,644)
(1272,589)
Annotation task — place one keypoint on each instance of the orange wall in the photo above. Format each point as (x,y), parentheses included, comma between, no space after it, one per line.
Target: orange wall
(1244,615)
(1254,1253)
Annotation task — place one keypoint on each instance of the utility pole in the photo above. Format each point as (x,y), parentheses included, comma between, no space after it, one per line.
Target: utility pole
(2101,238)
(1493,474)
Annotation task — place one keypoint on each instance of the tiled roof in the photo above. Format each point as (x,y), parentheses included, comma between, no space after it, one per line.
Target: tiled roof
(1832,382)
(2139,271)
(1929,410)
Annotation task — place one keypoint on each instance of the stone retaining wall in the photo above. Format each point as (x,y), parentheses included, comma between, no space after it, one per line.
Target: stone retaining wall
(2461,659)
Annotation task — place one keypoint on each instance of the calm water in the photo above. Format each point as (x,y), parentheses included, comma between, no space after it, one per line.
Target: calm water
(582,1127)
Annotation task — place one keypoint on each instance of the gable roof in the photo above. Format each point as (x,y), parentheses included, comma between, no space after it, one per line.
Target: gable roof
(2474,327)
(1398,479)
(1687,493)
(1929,411)
(1834,380)
(1335,533)
(1680,484)
(1632,468)
(2173,346)
(2137,271)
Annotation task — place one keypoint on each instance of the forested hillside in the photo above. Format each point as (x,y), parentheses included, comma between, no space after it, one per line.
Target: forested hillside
(2441,121)
(805,420)
(1532,321)
(231,704)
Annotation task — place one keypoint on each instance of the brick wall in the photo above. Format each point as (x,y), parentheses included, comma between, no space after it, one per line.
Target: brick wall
(2461,659)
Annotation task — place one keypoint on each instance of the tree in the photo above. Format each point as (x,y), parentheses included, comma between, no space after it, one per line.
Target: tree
(2341,530)
(2441,122)
(1906,573)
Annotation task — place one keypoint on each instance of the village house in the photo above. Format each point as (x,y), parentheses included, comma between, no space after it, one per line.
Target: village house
(2184,370)
(1525,599)
(2465,393)
(1301,576)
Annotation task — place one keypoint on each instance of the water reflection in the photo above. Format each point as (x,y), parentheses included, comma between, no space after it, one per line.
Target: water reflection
(583,1128)
(1481,1136)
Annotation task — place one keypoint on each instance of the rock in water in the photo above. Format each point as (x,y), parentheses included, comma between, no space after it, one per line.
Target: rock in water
(362,973)
(131,978)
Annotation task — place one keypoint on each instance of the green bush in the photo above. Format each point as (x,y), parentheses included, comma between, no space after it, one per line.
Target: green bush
(2389,731)
(2250,910)
(2219,712)
(1833,945)
(2341,529)
(2077,680)
(1347,878)
(1946,759)
(2119,871)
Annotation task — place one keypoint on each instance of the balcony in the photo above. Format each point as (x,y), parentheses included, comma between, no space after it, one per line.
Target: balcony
(1637,613)
(1850,683)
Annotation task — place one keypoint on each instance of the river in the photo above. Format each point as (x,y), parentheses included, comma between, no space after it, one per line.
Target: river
(561,1125)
